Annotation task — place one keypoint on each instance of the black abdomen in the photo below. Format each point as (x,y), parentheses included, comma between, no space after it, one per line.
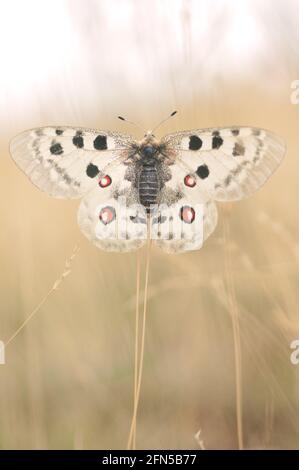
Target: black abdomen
(148,184)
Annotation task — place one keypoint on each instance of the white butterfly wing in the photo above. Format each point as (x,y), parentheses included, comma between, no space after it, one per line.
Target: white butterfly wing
(109,216)
(186,236)
(65,161)
(229,163)
(188,216)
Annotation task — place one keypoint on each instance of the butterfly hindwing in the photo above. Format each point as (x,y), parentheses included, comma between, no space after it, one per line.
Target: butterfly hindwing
(230,163)
(187,215)
(110,216)
(185,227)
(65,161)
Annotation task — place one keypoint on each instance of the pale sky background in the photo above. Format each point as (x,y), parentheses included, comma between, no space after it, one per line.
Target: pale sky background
(67,60)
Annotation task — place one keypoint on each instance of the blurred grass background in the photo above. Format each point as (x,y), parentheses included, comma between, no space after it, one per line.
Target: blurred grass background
(68,377)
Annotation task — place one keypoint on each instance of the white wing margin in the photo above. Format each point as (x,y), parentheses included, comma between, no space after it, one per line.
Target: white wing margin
(64,161)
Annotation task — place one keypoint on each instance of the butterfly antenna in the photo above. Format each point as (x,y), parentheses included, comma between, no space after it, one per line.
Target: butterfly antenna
(164,120)
(130,122)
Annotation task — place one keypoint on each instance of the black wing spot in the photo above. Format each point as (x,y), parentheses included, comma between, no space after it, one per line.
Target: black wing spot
(217,140)
(78,141)
(160,219)
(56,148)
(59,131)
(235,132)
(203,171)
(228,180)
(100,142)
(238,150)
(92,170)
(136,219)
(195,143)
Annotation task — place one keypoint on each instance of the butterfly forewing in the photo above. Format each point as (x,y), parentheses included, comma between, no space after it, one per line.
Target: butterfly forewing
(64,161)
(230,163)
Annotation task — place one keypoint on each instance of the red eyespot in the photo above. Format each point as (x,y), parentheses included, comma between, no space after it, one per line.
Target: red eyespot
(105,181)
(187,214)
(107,215)
(190,181)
